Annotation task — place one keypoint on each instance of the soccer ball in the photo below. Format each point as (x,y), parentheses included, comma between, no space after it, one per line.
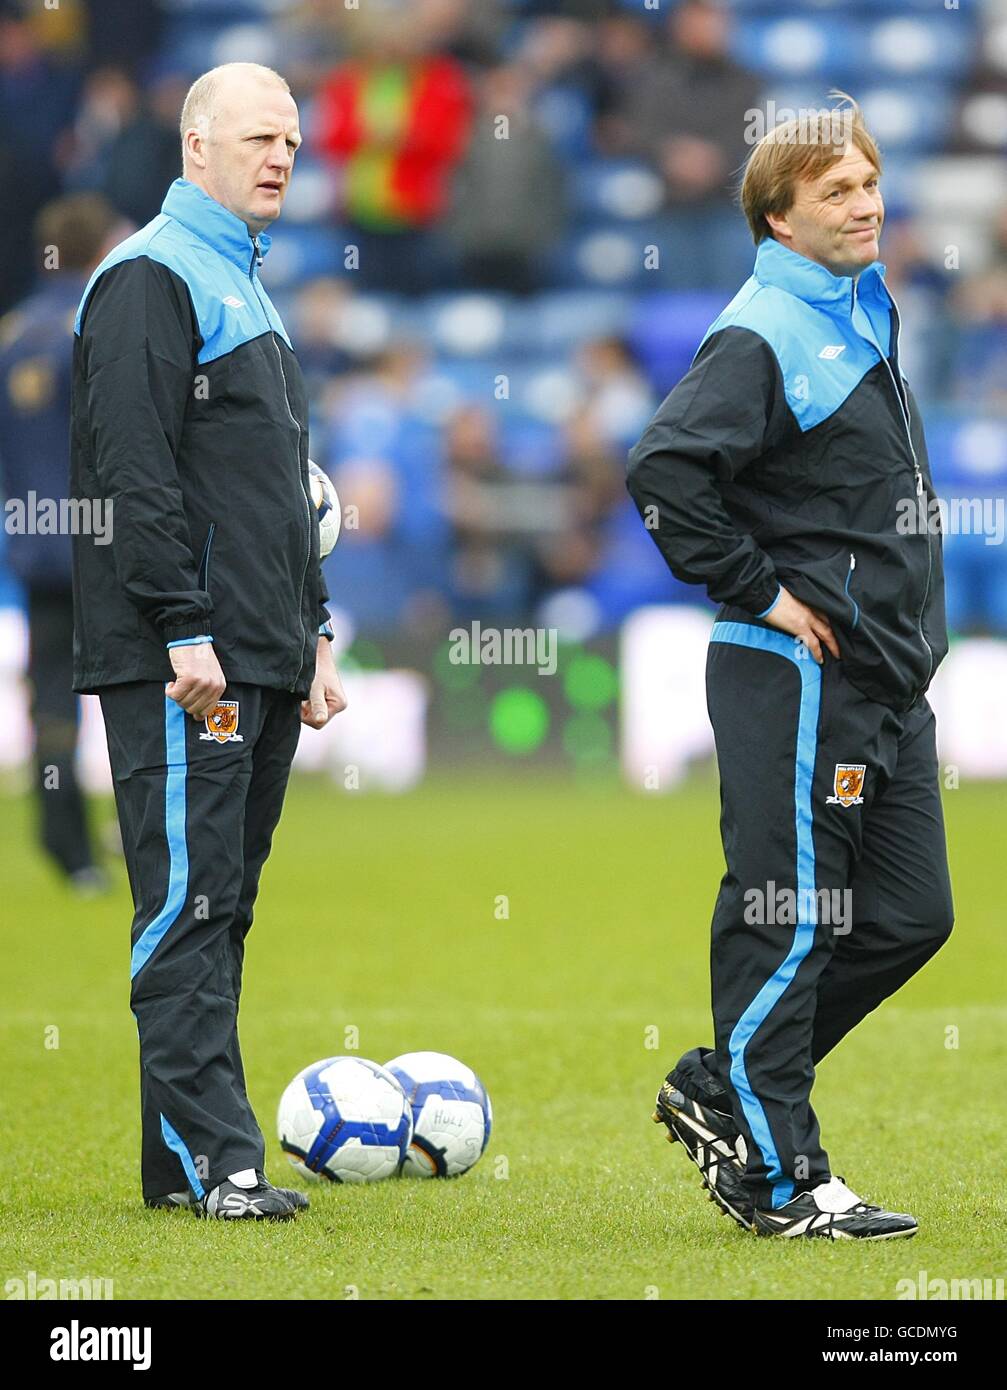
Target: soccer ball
(346,1119)
(326,502)
(452,1115)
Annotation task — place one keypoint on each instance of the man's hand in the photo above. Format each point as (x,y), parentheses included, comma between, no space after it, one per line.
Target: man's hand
(199,682)
(793,616)
(327,696)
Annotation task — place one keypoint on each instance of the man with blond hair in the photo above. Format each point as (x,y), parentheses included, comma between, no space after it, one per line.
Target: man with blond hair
(776,473)
(202,626)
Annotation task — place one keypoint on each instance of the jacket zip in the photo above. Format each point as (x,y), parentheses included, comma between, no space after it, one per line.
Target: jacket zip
(849,576)
(917,472)
(257,258)
(204,563)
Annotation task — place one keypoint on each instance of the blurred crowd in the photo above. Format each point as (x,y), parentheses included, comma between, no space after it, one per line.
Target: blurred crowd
(509,227)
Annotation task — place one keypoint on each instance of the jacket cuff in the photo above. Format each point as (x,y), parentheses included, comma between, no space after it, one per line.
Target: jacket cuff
(766,611)
(186,631)
(325,630)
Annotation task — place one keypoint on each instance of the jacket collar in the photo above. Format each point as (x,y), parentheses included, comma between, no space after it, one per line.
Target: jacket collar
(212,222)
(815,284)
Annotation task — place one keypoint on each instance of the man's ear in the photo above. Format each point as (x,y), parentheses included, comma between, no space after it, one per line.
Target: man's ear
(194,148)
(779,225)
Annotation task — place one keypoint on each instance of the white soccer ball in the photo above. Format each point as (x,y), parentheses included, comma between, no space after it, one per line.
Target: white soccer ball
(346,1119)
(326,504)
(452,1114)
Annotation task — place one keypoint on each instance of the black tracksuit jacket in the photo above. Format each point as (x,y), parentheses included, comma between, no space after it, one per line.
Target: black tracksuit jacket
(792,453)
(189,411)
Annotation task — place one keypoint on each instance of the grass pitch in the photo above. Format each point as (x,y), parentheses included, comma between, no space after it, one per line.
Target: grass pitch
(383,915)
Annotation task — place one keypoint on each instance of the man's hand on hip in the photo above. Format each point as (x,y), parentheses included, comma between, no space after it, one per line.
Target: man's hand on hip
(813,628)
(199,682)
(327,696)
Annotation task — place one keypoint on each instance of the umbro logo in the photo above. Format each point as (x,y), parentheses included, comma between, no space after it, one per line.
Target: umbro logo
(829,353)
(233,303)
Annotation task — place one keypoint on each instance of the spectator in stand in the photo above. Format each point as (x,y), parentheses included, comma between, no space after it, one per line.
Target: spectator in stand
(492,559)
(616,394)
(980,307)
(107,101)
(123,32)
(589,478)
(623,48)
(143,157)
(508,206)
(319,325)
(614,399)
(560,53)
(977,126)
(383,452)
(125,142)
(36,351)
(920,288)
(37,99)
(687,111)
(518,536)
(396,119)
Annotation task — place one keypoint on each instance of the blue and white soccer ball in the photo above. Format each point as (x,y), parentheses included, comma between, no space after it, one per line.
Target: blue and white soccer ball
(452,1114)
(326,503)
(346,1119)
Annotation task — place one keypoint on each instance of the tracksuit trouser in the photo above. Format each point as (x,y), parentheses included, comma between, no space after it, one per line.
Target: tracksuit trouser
(837,887)
(198,802)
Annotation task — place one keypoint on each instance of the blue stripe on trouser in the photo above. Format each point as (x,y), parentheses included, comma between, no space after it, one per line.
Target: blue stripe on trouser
(769,640)
(174,826)
(177,1144)
(178,881)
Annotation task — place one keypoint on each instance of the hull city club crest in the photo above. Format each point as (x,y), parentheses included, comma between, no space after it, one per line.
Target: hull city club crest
(848,784)
(222,723)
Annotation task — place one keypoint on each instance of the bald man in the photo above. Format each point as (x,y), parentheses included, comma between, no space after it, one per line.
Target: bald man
(202,625)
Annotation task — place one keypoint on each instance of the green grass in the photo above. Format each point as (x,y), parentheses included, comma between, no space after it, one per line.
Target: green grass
(380,913)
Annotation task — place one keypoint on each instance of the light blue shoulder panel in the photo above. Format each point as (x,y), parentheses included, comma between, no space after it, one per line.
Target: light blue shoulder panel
(823,358)
(231,308)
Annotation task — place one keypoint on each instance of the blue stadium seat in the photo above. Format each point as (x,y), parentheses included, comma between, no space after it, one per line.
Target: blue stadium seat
(472,323)
(913,46)
(198,38)
(980,364)
(941,426)
(909,117)
(224,11)
(301,253)
(312,195)
(904,116)
(606,255)
(632,571)
(458,331)
(968,457)
(862,48)
(666,330)
(530,447)
(12,593)
(801,45)
(563,319)
(614,188)
(464,381)
(972,458)
(564,112)
(977,456)
(537,390)
(865,9)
